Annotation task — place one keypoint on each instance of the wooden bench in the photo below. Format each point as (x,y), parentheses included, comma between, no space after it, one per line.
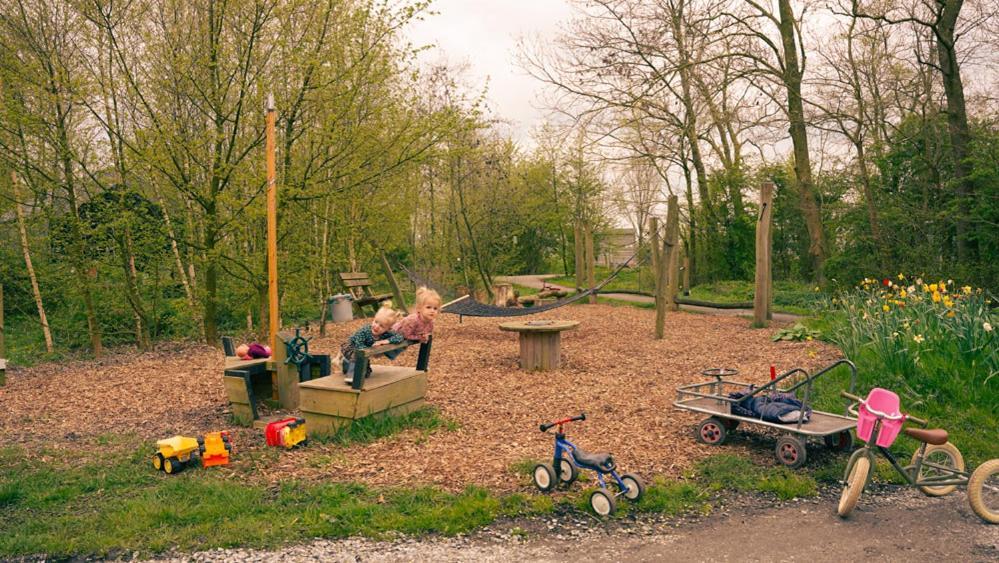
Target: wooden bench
(362,356)
(359,286)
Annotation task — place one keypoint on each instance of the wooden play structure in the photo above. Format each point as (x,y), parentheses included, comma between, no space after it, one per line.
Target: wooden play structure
(540,342)
(295,380)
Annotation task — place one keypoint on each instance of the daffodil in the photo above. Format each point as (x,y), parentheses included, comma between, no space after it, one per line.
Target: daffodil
(987,327)
(943,287)
(947,302)
(918,338)
(936,297)
(933,287)
(885,308)
(951,314)
(901,276)
(966,289)
(903,294)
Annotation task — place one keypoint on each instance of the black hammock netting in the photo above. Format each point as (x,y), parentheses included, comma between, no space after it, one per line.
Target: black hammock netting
(467,306)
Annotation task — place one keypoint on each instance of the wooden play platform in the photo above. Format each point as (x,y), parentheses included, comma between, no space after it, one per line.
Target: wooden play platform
(328,402)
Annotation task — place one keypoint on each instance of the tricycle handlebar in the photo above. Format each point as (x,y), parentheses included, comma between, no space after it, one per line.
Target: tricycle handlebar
(546,426)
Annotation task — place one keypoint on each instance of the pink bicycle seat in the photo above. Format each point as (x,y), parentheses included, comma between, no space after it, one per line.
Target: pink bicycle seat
(884,405)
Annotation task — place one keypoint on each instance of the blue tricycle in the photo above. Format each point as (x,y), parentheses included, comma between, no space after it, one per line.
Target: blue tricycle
(568,459)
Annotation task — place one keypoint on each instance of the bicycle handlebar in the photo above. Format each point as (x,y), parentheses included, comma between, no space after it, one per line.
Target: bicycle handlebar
(544,427)
(860,400)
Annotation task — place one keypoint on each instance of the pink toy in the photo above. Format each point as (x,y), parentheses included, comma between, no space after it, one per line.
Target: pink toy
(257,351)
(243,352)
(883,404)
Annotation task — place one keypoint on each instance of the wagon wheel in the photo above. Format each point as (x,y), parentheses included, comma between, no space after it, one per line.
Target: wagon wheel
(711,431)
(730,423)
(839,442)
(791,451)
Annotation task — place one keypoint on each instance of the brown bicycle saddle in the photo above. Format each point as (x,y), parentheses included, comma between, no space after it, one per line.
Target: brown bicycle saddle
(935,436)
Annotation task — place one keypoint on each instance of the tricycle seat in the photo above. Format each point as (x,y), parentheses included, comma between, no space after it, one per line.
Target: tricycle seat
(601,462)
(935,436)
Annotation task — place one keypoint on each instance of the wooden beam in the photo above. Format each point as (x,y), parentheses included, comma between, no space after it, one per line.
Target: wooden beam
(400,302)
(763,296)
(272,271)
(659,267)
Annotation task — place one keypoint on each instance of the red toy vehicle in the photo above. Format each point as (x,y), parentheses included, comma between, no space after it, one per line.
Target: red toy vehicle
(287,432)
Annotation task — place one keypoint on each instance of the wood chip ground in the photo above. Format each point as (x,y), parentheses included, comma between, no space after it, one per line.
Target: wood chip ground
(612,369)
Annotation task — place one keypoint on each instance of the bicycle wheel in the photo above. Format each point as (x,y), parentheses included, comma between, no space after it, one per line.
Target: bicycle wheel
(983,491)
(856,479)
(945,455)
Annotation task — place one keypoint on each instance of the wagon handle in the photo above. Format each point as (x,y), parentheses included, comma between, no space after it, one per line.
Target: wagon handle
(544,427)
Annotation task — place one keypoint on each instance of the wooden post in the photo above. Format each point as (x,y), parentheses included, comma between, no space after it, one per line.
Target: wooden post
(396,292)
(672,252)
(272,271)
(659,267)
(503,293)
(590,260)
(763,297)
(578,247)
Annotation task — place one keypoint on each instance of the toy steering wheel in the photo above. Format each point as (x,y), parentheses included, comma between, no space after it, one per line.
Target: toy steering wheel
(719,373)
(298,350)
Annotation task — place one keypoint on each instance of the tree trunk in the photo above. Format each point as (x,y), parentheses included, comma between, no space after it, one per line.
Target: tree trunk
(132,292)
(799,138)
(957,118)
(672,252)
(22,230)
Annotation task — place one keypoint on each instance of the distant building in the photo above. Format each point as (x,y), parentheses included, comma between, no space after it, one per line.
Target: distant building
(617,246)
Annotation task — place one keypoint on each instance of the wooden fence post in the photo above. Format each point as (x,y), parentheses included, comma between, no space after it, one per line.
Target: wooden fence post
(590,260)
(659,267)
(672,252)
(763,297)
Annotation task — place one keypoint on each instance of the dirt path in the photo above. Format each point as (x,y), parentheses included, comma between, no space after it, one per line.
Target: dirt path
(537,281)
(898,526)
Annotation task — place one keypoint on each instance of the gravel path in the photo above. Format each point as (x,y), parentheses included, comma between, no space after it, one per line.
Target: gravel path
(899,525)
(537,281)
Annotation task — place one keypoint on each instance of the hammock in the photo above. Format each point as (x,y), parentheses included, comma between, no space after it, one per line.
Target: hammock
(467,306)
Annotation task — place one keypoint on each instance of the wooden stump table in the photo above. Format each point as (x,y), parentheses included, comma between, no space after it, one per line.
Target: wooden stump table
(540,342)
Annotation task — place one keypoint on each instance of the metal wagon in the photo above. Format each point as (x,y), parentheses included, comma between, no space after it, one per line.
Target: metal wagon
(712,398)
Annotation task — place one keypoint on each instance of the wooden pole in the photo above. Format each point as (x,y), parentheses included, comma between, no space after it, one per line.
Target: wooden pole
(686,274)
(672,252)
(3,344)
(272,270)
(763,297)
(577,240)
(590,261)
(400,302)
(659,268)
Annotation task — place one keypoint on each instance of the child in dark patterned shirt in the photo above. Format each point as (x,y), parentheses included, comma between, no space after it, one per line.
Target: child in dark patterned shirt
(377,333)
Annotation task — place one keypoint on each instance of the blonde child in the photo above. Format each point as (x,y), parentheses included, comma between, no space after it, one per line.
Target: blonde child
(419,324)
(378,333)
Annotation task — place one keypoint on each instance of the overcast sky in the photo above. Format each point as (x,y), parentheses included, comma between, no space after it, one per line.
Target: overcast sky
(483,34)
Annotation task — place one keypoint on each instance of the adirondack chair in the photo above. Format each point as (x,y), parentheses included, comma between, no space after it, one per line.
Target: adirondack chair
(359,286)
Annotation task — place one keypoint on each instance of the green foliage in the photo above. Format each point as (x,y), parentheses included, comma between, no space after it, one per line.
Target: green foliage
(721,472)
(797,332)
(374,427)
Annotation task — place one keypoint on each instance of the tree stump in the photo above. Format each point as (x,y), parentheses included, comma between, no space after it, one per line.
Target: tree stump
(503,294)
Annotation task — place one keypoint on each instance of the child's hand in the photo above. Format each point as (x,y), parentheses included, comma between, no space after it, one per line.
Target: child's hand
(381,343)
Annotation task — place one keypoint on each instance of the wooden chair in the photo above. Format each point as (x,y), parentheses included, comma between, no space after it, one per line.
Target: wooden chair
(359,286)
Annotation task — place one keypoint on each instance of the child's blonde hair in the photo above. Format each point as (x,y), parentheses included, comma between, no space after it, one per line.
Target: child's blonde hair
(425,295)
(386,315)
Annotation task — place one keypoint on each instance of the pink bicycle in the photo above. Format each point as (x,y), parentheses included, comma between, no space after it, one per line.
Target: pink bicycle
(936,469)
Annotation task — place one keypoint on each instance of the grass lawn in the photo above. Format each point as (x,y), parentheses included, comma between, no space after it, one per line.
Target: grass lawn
(51,505)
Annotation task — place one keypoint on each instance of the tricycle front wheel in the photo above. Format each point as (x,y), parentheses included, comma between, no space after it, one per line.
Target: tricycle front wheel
(544,477)
(636,488)
(602,502)
(567,472)
(983,491)
(856,479)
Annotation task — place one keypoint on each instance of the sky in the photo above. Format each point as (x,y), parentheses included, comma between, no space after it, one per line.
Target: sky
(483,34)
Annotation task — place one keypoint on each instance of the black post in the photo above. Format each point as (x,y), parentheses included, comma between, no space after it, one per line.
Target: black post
(423,360)
(360,369)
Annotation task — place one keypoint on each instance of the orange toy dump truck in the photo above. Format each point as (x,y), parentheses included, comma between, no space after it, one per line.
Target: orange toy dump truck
(215,448)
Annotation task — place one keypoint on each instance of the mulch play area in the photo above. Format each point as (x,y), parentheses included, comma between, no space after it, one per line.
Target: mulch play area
(612,369)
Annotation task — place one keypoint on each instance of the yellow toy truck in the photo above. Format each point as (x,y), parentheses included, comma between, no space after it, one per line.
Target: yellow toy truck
(175,454)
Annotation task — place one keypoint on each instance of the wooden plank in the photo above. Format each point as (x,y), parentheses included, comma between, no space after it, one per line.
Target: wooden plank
(344,276)
(319,424)
(387,396)
(400,302)
(328,401)
(235,388)
(357,283)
